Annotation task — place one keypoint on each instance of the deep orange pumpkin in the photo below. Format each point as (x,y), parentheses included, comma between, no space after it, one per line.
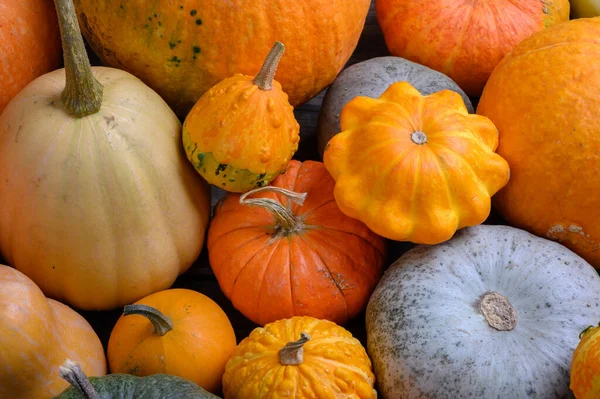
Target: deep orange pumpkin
(29,44)
(585,366)
(463,39)
(183,48)
(301,260)
(543,98)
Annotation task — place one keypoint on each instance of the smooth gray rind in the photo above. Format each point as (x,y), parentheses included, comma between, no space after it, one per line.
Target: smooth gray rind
(427,337)
(371,78)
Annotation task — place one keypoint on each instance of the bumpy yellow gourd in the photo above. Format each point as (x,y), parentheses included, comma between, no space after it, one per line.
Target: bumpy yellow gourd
(242,132)
(299,358)
(412,167)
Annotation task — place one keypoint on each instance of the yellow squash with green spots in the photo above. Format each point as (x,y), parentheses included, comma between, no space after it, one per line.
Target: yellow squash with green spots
(242,132)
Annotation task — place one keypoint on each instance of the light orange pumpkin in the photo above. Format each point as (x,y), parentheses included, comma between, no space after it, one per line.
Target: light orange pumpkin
(412,167)
(95,187)
(585,366)
(543,98)
(464,40)
(300,358)
(177,332)
(29,44)
(38,335)
(183,48)
(290,251)
(242,133)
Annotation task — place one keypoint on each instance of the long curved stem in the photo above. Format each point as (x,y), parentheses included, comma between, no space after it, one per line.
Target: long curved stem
(286,220)
(264,78)
(82,94)
(162,323)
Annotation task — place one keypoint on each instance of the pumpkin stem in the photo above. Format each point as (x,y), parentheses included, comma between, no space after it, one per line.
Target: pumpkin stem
(586,331)
(264,79)
(162,324)
(82,94)
(287,222)
(293,352)
(74,375)
(498,311)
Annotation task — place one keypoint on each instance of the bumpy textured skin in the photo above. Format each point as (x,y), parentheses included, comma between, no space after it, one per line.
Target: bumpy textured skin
(407,191)
(29,44)
(103,210)
(239,137)
(125,386)
(182,48)
(427,337)
(371,78)
(326,269)
(335,366)
(543,99)
(201,342)
(463,39)
(38,334)
(585,367)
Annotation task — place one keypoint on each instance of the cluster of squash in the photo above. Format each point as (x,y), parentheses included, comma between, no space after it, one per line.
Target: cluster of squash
(106,175)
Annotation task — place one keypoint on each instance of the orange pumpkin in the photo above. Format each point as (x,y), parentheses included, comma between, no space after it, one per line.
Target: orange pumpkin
(301,358)
(412,167)
(463,39)
(290,251)
(585,365)
(183,48)
(178,332)
(38,334)
(242,133)
(29,44)
(543,98)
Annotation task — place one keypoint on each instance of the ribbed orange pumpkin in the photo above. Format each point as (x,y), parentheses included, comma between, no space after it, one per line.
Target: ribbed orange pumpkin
(29,44)
(543,98)
(299,358)
(463,39)
(585,366)
(37,335)
(412,167)
(182,48)
(280,259)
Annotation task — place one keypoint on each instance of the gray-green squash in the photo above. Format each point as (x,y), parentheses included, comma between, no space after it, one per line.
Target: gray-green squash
(370,78)
(495,312)
(125,386)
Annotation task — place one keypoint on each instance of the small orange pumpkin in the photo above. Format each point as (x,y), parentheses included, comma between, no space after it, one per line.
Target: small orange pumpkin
(178,332)
(412,167)
(242,133)
(38,334)
(585,366)
(300,357)
(275,258)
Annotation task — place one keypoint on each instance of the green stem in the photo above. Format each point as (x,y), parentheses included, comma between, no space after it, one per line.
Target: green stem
(287,222)
(292,354)
(264,79)
(162,324)
(74,375)
(82,95)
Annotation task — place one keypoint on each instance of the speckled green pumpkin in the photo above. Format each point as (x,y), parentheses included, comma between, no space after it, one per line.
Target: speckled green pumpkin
(371,78)
(495,312)
(125,386)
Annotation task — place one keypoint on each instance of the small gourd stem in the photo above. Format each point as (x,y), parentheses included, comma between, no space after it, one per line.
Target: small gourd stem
(286,220)
(82,94)
(162,324)
(292,354)
(264,79)
(74,375)
(587,330)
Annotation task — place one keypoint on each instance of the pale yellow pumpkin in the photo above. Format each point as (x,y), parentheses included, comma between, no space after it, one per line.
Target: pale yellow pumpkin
(98,210)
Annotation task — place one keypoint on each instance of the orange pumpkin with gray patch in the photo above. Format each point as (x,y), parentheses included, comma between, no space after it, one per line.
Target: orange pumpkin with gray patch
(287,250)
